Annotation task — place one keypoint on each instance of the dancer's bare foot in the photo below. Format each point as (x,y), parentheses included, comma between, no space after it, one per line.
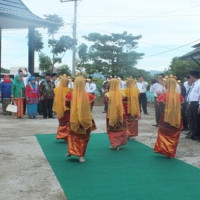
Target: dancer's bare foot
(81,159)
(114,148)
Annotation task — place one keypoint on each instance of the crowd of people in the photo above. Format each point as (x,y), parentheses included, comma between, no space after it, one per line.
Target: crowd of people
(177,107)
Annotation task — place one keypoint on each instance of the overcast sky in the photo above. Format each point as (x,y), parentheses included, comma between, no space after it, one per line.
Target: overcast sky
(164,25)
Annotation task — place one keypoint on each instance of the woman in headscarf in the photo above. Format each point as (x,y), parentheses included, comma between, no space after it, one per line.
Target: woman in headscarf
(81,120)
(32,98)
(60,108)
(18,95)
(116,124)
(132,108)
(170,120)
(5,92)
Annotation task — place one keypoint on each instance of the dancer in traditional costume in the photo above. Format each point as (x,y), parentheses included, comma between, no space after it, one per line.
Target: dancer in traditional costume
(81,121)
(60,108)
(170,120)
(18,95)
(116,124)
(132,108)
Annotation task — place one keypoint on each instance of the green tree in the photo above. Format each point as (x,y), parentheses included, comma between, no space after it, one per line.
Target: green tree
(39,45)
(58,46)
(3,70)
(137,73)
(61,45)
(63,69)
(45,63)
(57,23)
(180,68)
(109,54)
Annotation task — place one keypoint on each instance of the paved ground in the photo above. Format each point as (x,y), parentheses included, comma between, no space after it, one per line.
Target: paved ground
(26,174)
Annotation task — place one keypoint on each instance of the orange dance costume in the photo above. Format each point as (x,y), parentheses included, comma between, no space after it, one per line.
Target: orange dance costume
(116,123)
(61,109)
(81,121)
(132,109)
(170,120)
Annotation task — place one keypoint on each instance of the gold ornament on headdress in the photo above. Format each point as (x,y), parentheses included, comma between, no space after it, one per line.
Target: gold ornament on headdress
(171,76)
(84,74)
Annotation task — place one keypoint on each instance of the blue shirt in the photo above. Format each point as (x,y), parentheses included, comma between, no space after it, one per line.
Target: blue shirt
(5,89)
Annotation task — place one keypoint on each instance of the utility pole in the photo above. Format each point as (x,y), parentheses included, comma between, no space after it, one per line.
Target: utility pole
(74,34)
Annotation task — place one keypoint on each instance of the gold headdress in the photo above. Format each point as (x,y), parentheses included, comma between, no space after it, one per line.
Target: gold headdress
(80,73)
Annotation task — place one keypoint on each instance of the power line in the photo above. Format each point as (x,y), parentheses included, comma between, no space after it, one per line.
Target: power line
(177,48)
(153,15)
(172,49)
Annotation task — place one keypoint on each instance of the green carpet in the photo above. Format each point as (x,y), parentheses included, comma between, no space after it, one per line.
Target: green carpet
(134,172)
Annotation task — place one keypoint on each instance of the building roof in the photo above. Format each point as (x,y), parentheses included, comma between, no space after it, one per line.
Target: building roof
(192,55)
(15,14)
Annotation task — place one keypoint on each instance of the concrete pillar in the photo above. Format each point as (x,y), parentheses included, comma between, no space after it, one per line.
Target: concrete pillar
(0,50)
(31,49)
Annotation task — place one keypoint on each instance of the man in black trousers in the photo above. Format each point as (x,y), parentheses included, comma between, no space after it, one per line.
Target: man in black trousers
(46,95)
(193,98)
(142,86)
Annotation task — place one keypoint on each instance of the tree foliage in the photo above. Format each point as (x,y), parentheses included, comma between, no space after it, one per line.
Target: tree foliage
(109,54)
(62,45)
(4,70)
(57,23)
(38,43)
(180,68)
(57,46)
(63,69)
(45,63)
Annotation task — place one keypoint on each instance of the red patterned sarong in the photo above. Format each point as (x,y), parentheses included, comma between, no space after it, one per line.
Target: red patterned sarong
(63,128)
(117,138)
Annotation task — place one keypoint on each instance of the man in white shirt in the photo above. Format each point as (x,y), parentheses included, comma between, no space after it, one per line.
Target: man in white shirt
(186,83)
(193,98)
(158,89)
(91,88)
(122,83)
(142,86)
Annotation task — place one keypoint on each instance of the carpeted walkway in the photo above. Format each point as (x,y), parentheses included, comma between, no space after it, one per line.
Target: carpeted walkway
(134,172)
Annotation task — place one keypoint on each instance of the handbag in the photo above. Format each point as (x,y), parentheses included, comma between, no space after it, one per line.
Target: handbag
(11,108)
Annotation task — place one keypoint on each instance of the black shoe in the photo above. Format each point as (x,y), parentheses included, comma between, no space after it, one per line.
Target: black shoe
(188,137)
(51,117)
(196,138)
(146,113)
(156,125)
(45,117)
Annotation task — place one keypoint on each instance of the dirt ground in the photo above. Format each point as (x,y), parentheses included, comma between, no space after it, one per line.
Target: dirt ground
(26,174)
